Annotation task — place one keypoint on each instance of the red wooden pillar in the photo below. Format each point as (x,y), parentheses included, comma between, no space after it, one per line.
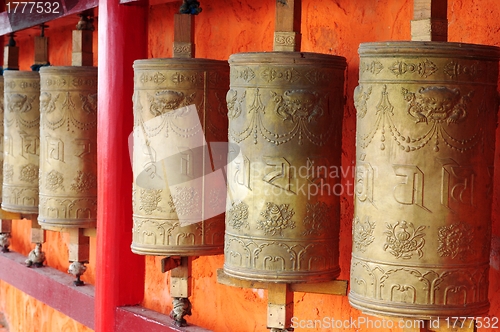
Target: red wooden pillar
(119,273)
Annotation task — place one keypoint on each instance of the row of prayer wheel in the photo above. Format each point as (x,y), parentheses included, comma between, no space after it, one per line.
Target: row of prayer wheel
(425,142)
(50,145)
(426,115)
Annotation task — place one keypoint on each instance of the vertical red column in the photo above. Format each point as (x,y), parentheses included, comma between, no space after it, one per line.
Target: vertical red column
(119,273)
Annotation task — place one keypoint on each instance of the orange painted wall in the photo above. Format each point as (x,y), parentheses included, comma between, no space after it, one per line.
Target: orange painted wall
(232,26)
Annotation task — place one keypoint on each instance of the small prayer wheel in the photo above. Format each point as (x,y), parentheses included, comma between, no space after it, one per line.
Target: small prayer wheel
(21,141)
(181,214)
(68,153)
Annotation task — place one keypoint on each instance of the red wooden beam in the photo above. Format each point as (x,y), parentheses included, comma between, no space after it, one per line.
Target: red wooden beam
(11,21)
(140,319)
(120,274)
(50,286)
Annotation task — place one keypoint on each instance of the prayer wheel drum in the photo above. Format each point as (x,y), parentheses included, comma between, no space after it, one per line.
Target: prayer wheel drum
(179,217)
(21,141)
(68,151)
(1,132)
(282,217)
(426,120)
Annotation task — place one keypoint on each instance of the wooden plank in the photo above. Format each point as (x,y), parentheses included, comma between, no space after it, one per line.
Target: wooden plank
(286,23)
(279,306)
(180,279)
(49,286)
(334,287)
(183,36)
(437,9)
(136,318)
(430,21)
(9,215)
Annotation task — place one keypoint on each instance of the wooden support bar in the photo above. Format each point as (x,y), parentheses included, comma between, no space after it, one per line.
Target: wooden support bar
(183,36)
(334,287)
(79,245)
(430,21)
(279,306)
(180,279)
(11,57)
(5,225)
(37,233)
(9,215)
(41,50)
(285,36)
(82,48)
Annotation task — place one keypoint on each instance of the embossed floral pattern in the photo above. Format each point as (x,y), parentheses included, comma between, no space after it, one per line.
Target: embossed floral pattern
(403,239)
(149,199)
(54,180)
(237,215)
(28,173)
(455,240)
(362,233)
(276,218)
(185,202)
(317,218)
(84,182)
(8,172)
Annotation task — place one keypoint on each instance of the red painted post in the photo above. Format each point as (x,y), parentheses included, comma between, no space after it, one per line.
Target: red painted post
(122,35)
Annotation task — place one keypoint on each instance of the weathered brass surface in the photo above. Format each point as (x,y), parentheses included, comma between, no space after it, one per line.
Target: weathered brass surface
(426,120)
(1,132)
(68,158)
(161,86)
(21,141)
(282,217)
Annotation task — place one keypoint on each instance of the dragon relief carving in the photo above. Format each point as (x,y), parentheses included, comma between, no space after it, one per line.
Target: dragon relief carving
(47,102)
(298,104)
(19,103)
(168,100)
(89,103)
(360,99)
(437,104)
(234,103)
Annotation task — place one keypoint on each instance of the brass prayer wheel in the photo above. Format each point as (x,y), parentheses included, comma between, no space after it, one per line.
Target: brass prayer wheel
(21,141)
(425,142)
(1,132)
(68,150)
(179,212)
(285,115)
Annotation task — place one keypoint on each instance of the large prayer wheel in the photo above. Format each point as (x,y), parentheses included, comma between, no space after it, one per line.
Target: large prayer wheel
(21,141)
(426,120)
(68,158)
(179,210)
(285,115)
